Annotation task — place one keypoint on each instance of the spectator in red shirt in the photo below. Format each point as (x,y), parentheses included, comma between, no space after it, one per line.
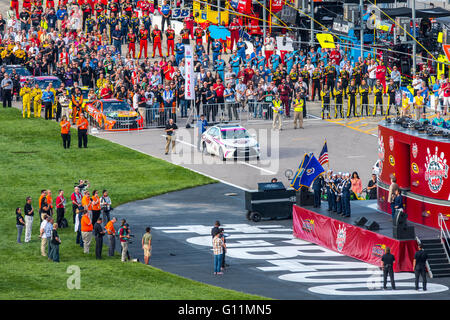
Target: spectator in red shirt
(248,73)
(381,75)
(219,88)
(284,91)
(60,204)
(335,56)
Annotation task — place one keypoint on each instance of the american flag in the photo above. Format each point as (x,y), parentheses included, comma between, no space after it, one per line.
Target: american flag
(323,157)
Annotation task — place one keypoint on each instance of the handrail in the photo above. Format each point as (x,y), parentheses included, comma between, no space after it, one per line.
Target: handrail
(444,233)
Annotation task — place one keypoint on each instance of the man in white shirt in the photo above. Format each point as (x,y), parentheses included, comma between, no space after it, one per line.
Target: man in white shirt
(416,83)
(372,68)
(45,233)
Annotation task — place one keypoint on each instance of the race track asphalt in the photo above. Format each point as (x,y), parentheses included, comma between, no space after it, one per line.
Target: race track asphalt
(259,254)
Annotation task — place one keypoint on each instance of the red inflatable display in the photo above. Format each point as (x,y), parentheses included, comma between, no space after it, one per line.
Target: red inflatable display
(420,164)
(350,240)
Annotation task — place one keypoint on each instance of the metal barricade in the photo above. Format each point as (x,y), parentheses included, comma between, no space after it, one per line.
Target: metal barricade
(157,117)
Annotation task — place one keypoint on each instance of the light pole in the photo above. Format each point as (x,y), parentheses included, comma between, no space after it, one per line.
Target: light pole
(414,35)
(361,31)
(264,18)
(312,23)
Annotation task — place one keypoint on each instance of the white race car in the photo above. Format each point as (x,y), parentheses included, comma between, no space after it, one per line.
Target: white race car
(229,141)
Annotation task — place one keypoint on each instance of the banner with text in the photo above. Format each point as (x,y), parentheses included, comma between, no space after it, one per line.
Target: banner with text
(350,240)
(189,81)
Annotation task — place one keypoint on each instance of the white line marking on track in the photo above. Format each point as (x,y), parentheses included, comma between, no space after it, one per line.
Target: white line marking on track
(196,171)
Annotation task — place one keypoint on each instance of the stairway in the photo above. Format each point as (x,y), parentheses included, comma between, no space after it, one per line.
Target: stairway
(437,258)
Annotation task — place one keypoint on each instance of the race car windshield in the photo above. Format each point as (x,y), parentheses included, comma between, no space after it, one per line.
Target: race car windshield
(43,84)
(20,71)
(115,106)
(238,133)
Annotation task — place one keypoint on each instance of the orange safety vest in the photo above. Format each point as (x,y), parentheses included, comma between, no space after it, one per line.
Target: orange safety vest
(65,127)
(82,124)
(96,206)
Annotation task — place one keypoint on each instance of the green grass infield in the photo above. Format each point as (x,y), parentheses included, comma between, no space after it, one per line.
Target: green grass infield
(32,158)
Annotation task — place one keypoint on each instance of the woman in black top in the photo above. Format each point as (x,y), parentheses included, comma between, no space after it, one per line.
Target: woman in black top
(372,188)
(20,223)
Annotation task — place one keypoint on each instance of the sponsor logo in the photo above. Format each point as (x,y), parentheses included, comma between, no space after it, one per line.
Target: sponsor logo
(392,160)
(379,250)
(436,170)
(308,225)
(391,143)
(341,237)
(415,168)
(381,152)
(415,150)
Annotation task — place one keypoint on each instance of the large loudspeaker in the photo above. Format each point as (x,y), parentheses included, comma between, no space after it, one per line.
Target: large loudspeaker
(403,232)
(372,225)
(361,221)
(305,198)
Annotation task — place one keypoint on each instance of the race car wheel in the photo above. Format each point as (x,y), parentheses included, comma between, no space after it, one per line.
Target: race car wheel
(255,217)
(221,155)
(248,214)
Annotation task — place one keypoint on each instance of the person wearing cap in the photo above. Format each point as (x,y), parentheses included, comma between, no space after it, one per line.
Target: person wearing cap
(346,189)
(124,236)
(99,232)
(111,232)
(420,267)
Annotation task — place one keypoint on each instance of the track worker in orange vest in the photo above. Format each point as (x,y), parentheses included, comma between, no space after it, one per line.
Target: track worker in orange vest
(95,204)
(82,125)
(156,35)
(111,232)
(170,36)
(86,203)
(65,132)
(143,41)
(86,231)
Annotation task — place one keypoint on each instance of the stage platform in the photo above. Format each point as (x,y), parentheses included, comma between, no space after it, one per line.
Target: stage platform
(339,234)
(368,209)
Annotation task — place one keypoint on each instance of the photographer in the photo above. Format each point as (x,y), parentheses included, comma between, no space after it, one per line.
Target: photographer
(105,203)
(82,185)
(124,236)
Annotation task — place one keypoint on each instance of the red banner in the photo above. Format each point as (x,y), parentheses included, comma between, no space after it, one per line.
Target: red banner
(277,5)
(350,240)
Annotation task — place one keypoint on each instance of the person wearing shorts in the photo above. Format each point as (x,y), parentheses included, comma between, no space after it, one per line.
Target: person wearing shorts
(147,244)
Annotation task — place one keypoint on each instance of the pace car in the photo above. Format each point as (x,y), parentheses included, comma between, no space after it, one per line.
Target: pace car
(229,141)
(114,115)
(43,81)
